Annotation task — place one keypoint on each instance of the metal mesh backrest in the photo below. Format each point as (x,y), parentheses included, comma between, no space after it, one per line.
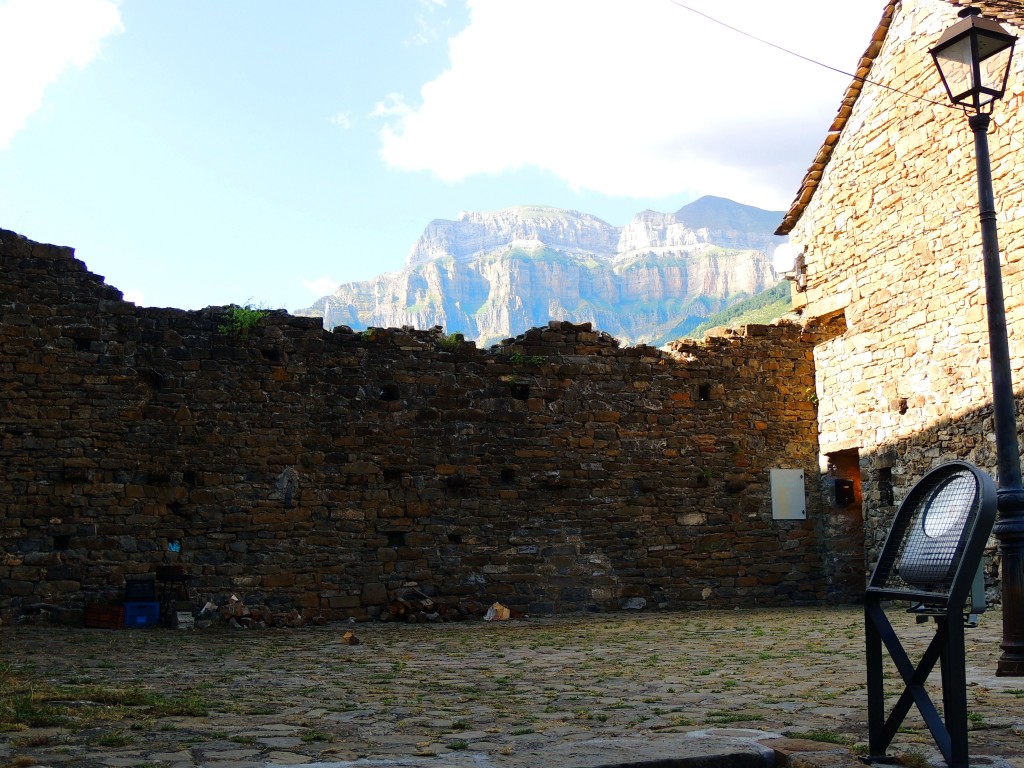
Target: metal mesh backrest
(931,533)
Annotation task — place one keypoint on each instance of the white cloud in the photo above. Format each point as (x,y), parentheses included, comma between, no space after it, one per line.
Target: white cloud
(39,40)
(393,105)
(341,120)
(321,286)
(638,99)
(429,29)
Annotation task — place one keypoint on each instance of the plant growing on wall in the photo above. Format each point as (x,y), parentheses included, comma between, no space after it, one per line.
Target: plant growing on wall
(451,343)
(518,358)
(238,321)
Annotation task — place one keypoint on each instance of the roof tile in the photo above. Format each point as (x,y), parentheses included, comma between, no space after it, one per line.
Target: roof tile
(1009,11)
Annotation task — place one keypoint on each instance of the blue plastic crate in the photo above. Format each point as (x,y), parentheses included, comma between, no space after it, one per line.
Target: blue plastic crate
(139,590)
(137,615)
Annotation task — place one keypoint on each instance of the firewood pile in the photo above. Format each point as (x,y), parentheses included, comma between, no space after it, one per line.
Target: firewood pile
(414,607)
(237,615)
(409,605)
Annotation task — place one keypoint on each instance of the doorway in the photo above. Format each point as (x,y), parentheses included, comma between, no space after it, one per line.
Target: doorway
(844,526)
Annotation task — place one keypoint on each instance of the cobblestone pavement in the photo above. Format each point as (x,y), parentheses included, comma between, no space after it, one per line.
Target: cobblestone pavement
(472,693)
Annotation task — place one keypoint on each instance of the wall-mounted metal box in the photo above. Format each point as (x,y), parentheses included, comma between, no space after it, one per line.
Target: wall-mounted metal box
(844,493)
(789,501)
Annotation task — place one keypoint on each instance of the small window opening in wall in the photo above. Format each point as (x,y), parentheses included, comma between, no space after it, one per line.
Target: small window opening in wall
(271,355)
(83,345)
(396,538)
(454,538)
(704,392)
(887,497)
(392,474)
(151,379)
(508,477)
(390,392)
(902,405)
(520,391)
(61,542)
(455,482)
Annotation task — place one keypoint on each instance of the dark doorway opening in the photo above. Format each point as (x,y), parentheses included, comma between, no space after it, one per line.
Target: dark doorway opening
(844,526)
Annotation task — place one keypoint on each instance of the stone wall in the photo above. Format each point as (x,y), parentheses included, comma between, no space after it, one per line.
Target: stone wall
(892,247)
(318,470)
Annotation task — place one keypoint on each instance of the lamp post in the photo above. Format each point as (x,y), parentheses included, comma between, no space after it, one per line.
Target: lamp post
(973,58)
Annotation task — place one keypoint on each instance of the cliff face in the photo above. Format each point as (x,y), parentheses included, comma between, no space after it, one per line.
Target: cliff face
(493,275)
(476,234)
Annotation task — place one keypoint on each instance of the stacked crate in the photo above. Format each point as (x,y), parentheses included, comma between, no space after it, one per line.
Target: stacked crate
(141,608)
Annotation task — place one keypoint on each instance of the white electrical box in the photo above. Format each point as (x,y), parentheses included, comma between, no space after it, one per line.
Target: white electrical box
(789,502)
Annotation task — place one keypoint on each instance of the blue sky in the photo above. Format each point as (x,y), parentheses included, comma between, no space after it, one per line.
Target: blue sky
(199,152)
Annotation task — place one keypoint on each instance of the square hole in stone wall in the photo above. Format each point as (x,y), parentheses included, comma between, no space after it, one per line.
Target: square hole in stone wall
(520,391)
(885,491)
(390,392)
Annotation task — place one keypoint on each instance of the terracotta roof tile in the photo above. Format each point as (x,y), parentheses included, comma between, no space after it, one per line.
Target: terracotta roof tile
(1009,11)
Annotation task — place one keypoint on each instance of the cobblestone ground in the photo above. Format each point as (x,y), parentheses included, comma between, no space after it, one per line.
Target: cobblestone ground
(78,697)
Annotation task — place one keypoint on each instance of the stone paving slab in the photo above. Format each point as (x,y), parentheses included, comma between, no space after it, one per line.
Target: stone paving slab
(573,692)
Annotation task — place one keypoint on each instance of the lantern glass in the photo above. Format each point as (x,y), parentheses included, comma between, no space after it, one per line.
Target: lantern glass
(973,58)
(956,66)
(995,70)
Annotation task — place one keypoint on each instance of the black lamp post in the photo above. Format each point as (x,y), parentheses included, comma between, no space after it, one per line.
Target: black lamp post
(973,58)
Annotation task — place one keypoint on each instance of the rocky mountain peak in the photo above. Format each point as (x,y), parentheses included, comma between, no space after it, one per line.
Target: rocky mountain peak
(491,275)
(730,224)
(476,233)
(652,231)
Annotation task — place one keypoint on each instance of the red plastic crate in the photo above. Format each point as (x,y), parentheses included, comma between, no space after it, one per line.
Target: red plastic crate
(100,616)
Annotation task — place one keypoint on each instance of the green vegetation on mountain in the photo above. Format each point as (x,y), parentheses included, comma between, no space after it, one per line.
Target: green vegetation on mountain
(758,309)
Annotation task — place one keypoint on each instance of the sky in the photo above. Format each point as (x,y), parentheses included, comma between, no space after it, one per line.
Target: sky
(263,152)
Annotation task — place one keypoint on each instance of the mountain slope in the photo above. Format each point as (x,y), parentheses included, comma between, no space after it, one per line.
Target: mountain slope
(732,225)
(493,275)
(761,309)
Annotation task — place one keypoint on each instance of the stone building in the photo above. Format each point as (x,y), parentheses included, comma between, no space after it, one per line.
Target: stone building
(891,273)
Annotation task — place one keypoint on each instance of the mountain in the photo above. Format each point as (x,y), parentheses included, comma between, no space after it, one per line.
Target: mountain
(761,309)
(493,275)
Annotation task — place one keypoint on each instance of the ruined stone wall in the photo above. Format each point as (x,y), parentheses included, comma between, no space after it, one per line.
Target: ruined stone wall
(325,470)
(893,251)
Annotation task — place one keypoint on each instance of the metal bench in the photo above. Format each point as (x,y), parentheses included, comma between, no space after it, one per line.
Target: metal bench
(931,559)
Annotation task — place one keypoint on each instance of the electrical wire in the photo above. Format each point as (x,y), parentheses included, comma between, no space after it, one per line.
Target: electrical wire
(917,97)
(808,59)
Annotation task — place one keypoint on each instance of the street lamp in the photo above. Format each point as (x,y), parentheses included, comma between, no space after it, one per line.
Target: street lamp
(973,58)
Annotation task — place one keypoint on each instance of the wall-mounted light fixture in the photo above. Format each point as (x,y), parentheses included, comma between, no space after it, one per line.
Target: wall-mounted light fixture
(788,263)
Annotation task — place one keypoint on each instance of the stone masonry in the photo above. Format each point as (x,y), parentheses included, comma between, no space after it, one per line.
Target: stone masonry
(324,471)
(894,277)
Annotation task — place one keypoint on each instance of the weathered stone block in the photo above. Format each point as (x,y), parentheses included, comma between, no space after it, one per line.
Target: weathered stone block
(374,593)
